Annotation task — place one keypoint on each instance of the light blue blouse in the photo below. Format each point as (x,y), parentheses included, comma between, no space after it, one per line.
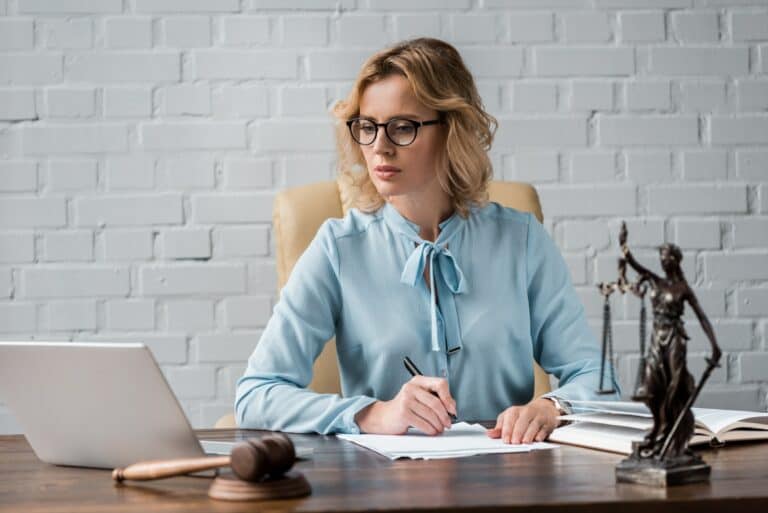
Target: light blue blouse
(501,298)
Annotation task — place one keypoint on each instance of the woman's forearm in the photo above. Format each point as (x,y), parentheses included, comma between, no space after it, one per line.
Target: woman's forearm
(271,403)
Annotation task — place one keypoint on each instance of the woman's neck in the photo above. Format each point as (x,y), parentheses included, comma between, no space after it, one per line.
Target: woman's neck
(427,213)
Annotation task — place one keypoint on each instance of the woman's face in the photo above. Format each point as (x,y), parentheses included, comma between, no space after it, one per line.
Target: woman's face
(400,170)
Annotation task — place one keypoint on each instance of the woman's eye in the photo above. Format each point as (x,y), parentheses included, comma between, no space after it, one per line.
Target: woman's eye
(368,129)
(404,129)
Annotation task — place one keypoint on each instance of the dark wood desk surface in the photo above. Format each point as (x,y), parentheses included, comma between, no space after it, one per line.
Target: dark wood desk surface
(345,477)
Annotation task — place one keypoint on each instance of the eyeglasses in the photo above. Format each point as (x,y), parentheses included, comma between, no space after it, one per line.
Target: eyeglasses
(400,131)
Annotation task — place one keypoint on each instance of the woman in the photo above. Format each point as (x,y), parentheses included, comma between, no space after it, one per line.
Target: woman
(424,267)
(666,383)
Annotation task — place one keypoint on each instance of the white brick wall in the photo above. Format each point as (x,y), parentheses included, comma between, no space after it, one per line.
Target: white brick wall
(142,143)
(130,314)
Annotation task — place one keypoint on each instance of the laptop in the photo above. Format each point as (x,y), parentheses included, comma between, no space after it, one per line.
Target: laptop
(96,405)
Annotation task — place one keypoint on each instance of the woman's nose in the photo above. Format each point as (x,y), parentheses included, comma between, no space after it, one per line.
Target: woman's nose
(382,144)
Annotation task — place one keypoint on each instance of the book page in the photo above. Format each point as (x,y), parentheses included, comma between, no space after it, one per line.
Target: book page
(607,437)
(622,420)
(719,421)
(743,435)
(598,436)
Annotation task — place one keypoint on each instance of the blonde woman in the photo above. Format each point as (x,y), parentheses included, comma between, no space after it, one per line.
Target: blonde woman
(424,267)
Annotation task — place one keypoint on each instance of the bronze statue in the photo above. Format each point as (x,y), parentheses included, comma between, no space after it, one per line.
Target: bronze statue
(666,386)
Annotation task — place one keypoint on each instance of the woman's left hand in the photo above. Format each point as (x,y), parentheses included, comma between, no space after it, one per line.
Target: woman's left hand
(532,422)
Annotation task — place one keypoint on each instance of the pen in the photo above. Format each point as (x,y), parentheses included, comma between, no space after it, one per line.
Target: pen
(416,372)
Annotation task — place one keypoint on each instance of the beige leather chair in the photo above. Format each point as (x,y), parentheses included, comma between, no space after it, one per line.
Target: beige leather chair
(298,214)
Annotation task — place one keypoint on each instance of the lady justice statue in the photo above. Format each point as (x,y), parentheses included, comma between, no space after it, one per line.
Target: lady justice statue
(666,387)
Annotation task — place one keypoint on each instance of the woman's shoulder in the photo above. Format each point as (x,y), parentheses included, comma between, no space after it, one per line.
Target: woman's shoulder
(355,222)
(493,212)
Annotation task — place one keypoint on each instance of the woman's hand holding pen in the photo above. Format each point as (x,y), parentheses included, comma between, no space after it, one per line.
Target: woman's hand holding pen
(415,405)
(532,422)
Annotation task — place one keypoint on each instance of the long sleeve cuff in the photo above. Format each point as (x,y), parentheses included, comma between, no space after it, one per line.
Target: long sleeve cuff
(348,424)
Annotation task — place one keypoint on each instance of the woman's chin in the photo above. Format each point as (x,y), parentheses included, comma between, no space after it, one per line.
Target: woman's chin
(386,188)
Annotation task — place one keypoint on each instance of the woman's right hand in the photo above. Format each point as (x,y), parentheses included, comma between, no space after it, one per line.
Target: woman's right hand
(415,405)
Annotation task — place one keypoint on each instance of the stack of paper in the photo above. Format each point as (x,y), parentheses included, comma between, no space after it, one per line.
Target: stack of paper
(461,440)
(613,426)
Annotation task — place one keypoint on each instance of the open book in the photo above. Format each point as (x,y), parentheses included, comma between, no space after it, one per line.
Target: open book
(613,426)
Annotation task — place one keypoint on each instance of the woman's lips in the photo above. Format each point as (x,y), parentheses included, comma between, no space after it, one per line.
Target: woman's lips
(386,172)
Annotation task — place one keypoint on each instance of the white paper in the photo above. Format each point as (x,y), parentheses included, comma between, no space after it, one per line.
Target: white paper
(624,407)
(461,440)
(612,419)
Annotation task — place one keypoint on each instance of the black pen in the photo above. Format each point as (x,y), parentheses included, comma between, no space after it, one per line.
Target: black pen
(416,372)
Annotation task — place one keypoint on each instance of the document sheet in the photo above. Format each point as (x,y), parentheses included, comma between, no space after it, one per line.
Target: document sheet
(461,440)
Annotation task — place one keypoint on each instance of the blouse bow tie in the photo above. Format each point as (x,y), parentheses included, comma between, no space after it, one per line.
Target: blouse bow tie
(442,265)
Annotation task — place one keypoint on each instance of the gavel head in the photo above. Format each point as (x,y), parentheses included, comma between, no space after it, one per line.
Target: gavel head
(255,458)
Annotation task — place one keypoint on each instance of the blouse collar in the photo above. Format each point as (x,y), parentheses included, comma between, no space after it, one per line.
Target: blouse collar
(448,228)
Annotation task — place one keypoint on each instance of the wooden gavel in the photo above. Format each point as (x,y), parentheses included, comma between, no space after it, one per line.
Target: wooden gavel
(251,460)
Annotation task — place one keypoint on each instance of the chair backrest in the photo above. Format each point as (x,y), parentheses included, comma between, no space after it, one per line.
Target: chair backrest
(298,213)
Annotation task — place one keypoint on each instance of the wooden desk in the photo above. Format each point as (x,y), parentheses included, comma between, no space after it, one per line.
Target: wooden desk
(345,477)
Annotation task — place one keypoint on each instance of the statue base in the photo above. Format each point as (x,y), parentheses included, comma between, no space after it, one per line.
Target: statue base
(689,468)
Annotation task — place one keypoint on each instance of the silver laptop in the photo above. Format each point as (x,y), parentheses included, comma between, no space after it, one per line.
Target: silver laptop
(95,405)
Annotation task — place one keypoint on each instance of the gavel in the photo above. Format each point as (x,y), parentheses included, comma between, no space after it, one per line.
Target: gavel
(251,460)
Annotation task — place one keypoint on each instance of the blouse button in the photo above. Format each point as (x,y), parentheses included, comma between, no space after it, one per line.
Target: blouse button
(443,373)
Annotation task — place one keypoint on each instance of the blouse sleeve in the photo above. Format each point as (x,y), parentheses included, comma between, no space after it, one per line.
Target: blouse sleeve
(563,343)
(273,394)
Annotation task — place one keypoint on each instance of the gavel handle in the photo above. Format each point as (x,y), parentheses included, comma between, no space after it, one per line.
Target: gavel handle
(148,470)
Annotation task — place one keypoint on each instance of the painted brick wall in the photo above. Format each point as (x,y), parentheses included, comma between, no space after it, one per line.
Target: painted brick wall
(142,142)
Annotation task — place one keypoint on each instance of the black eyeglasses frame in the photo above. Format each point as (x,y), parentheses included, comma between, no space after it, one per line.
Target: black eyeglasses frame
(416,125)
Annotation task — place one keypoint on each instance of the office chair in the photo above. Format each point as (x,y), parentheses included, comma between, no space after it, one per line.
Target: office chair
(297,215)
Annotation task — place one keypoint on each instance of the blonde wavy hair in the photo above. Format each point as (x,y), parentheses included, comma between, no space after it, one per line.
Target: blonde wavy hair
(441,81)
